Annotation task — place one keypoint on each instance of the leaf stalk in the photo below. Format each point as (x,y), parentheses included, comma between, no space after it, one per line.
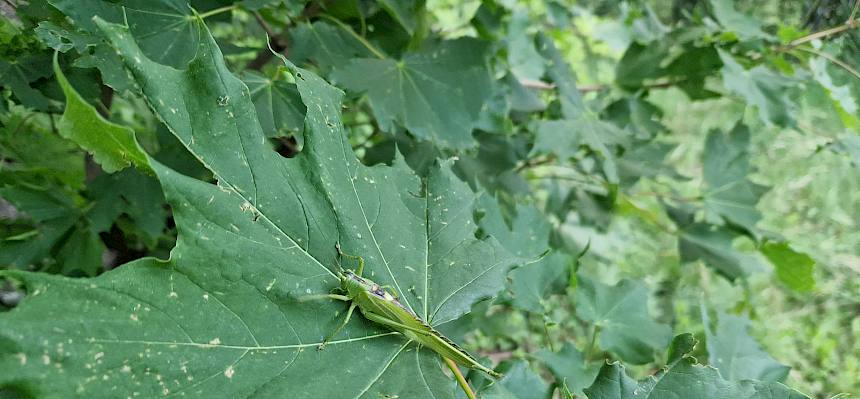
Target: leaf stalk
(460,379)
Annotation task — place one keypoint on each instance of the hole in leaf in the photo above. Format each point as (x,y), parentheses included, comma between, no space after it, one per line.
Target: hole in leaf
(287,147)
(10,296)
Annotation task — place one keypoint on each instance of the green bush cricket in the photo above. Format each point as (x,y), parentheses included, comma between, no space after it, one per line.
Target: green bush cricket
(378,305)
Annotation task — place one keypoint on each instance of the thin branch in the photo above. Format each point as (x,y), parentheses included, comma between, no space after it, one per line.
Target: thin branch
(848,25)
(534,162)
(536,84)
(832,59)
(460,379)
(854,11)
(541,85)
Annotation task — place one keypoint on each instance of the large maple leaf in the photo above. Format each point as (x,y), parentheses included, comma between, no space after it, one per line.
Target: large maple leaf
(223,317)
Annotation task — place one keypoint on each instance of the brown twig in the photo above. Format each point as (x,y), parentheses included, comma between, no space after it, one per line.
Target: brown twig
(832,59)
(541,85)
(536,84)
(534,162)
(848,25)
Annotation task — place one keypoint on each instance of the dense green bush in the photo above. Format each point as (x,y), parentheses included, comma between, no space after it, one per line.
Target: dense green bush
(599,199)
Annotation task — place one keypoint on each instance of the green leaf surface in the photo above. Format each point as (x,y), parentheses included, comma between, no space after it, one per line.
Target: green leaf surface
(494,167)
(53,215)
(793,268)
(278,104)
(737,355)
(166,29)
(645,160)
(523,58)
(570,367)
(848,145)
(325,44)
(620,312)
(406,12)
(61,39)
(130,193)
(533,283)
(112,146)
(761,87)
(37,155)
(19,73)
(113,73)
(726,165)
(421,93)
(641,62)
(841,94)
(522,98)
(636,115)
(563,138)
(527,234)
(82,252)
(519,382)
(682,377)
(222,317)
(562,75)
(745,26)
(713,245)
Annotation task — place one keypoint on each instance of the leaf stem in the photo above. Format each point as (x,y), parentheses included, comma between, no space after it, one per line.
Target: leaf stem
(217,11)
(547,336)
(590,352)
(358,37)
(460,379)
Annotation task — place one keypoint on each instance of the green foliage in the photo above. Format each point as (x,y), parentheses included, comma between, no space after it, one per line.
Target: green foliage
(619,314)
(682,376)
(560,188)
(735,354)
(113,146)
(421,93)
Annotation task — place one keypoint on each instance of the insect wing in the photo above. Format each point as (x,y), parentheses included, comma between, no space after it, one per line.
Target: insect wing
(406,322)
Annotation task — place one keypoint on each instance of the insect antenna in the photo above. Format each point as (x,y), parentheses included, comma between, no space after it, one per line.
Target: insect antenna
(340,270)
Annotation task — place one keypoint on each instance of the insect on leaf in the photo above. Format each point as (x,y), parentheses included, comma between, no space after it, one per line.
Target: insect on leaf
(222,317)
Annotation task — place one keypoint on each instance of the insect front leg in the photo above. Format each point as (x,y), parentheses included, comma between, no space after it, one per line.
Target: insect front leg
(359,258)
(340,327)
